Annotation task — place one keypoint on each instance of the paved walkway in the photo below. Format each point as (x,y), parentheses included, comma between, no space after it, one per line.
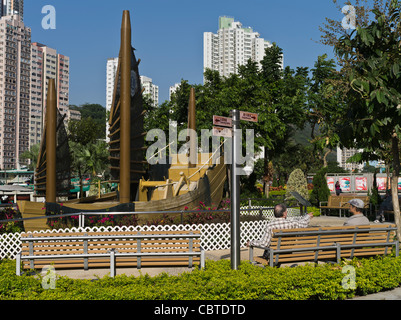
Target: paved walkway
(394,294)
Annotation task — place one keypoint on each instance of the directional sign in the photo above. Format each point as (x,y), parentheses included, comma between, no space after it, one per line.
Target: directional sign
(222,121)
(222,132)
(248,116)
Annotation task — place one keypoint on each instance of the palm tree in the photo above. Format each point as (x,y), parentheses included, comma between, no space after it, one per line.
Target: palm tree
(98,158)
(91,159)
(79,156)
(32,155)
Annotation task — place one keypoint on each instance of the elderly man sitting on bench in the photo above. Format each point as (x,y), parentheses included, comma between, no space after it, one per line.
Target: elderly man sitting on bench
(281,222)
(357,218)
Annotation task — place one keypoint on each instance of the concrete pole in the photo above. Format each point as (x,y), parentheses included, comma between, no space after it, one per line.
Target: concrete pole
(51,142)
(125,110)
(193,144)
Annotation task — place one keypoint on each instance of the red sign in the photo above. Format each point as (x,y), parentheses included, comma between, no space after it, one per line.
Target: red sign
(222,121)
(248,116)
(361,184)
(222,132)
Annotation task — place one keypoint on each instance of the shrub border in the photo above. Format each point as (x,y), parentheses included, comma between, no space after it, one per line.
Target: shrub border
(216,282)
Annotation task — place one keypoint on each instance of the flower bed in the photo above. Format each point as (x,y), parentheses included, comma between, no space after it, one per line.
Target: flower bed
(9,213)
(201,214)
(93,221)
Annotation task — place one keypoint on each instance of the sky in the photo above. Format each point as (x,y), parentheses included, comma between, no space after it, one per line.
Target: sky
(168,35)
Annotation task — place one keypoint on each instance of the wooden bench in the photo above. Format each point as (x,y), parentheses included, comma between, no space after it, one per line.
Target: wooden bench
(110,249)
(341,202)
(345,199)
(328,244)
(333,202)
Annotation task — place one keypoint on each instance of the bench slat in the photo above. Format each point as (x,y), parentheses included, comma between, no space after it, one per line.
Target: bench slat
(292,245)
(105,263)
(322,256)
(169,248)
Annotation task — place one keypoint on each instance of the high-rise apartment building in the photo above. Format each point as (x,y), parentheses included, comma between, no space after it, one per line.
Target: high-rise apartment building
(15,76)
(173,89)
(12,7)
(47,64)
(149,87)
(231,46)
(343,155)
(150,90)
(111,72)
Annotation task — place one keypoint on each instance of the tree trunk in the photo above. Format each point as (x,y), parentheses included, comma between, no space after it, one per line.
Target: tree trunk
(325,158)
(267,189)
(266,186)
(394,184)
(81,187)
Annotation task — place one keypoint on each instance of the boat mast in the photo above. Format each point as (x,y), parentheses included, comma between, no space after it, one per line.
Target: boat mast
(51,142)
(125,124)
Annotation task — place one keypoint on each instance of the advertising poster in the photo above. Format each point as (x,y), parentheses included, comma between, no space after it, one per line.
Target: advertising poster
(381,183)
(330,183)
(361,184)
(399,183)
(345,184)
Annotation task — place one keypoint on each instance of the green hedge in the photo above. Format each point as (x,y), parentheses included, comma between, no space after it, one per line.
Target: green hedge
(216,282)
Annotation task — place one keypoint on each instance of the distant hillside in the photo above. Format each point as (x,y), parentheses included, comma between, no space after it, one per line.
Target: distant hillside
(95,111)
(303,136)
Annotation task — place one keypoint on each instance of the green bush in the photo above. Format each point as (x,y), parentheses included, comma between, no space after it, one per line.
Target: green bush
(321,191)
(297,182)
(217,282)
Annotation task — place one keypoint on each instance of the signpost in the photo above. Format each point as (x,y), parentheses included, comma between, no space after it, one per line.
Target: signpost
(222,121)
(248,116)
(230,128)
(222,132)
(235,194)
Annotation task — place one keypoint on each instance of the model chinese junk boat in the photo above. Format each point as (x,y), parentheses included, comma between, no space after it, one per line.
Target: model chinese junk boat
(180,185)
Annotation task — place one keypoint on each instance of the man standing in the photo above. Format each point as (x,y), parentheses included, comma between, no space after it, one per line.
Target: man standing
(281,222)
(357,218)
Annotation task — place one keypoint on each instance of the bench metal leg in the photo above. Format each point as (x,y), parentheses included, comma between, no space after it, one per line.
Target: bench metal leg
(251,254)
(86,265)
(202,258)
(191,245)
(18,264)
(112,263)
(271,254)
(338,252)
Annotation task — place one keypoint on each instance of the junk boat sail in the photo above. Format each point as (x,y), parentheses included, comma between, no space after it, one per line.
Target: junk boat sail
(181,184)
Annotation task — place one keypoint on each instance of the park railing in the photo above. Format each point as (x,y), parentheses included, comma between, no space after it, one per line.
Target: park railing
(214,236)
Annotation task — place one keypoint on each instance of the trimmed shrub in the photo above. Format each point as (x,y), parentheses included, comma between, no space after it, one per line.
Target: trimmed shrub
(217,282)
(321,191)
(297,182)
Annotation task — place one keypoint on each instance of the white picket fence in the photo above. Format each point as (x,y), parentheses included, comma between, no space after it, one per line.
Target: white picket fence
(214,236)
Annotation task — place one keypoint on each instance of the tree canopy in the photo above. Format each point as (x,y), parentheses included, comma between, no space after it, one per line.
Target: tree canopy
(370,59)
(97,113)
